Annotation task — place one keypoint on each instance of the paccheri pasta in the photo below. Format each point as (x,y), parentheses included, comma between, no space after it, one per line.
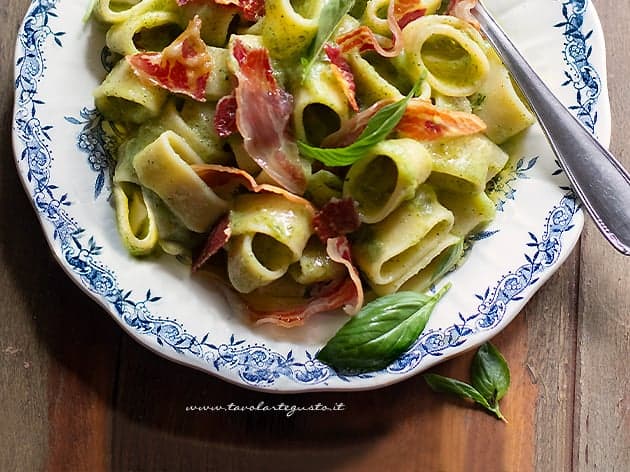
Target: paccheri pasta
(303,151)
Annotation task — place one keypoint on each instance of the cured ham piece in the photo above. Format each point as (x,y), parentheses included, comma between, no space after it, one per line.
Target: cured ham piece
(364,39)
(252,10)
(351,129)
(225,182)
(426,122)
(343,74)
(263,111)
(422,121)
(406,11)
(182,67)
(219,236)
(338,249)
(462,9)
(337,218)
(328,297)
(399,14)
(225,116)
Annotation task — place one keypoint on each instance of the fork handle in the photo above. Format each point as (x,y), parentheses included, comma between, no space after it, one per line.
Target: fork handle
(597,177)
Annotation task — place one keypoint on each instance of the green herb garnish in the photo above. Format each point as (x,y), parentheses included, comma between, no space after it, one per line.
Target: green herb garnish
(490,378)
(331,15)
(383,330)
(379,126)
(477,100)
(448,260)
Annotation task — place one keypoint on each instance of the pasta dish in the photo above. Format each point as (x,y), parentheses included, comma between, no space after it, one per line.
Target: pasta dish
(308,154)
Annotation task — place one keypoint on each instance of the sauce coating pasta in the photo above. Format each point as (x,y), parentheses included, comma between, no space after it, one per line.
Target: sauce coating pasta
(401,106)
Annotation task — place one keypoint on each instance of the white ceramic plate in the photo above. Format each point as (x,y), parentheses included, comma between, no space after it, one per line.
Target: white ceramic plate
(61,156)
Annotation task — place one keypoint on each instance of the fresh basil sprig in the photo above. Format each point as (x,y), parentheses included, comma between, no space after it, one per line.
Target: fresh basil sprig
(490,378)
(380,332)
(379,126)
(331,15)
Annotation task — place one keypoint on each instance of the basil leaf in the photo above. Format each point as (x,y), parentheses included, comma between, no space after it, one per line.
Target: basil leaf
(441,384)
(377,129)
(490,374)
(380,332)
(447,260)
(330,16)
(490,377)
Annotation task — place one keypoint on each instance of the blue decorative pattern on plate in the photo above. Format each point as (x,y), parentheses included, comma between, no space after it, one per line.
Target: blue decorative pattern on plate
(63,158)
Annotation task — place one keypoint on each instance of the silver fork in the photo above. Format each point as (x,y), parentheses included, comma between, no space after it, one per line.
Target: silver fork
(597,177)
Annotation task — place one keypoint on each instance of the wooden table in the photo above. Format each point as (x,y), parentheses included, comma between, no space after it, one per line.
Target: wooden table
(78,394)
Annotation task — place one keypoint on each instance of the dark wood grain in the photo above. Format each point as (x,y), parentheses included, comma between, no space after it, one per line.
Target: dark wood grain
(551,333)
(58,351)
(602,413)
(23,365)
(78,394)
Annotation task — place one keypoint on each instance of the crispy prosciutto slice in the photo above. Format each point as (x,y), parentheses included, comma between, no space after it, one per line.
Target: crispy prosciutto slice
(399,14)
(351,129)
(462,9)
(337,218)
(406,11)
(226,181)
(295,310)
(218,238)
(422,121)
(263,111)
(328,297)
(426,122)
(182,67)
(251,10)
(338,250)
(225,116)
(343,73)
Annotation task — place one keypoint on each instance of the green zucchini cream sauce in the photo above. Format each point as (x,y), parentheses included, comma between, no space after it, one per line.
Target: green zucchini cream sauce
(445,58)
(376,184)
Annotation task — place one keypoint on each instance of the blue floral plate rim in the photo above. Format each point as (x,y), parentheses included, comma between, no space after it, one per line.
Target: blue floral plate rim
(249,362)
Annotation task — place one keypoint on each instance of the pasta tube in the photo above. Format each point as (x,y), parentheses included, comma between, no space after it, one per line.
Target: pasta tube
(387,176)
(125,98)
(395,249)
(465,164)
(498,104)
(269,233)
(118,11)
(319,105)
(121,37)
(451,53)
(288,28)
(164,167)
(134,220)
